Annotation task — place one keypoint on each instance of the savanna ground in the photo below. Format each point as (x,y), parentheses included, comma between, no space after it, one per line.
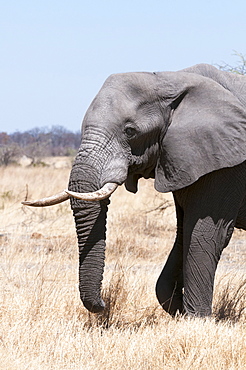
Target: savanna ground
(43,324)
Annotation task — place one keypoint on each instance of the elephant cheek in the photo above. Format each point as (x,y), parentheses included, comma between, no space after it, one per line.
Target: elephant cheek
(115,170)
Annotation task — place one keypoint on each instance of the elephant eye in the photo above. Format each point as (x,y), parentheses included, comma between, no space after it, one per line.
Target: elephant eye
(130,131)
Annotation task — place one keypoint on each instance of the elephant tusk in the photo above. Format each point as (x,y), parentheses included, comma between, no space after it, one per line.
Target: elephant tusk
(100,194)
(49,201)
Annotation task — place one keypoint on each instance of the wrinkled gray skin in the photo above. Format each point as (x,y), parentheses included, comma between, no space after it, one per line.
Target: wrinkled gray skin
(187,130)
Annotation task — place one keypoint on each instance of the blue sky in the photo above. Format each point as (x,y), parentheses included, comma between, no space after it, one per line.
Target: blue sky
(55,55)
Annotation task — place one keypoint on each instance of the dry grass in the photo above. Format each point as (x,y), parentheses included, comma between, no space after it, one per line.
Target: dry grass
(42,322)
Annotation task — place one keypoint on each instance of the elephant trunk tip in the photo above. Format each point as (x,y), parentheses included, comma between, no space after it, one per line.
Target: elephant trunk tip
(94,307)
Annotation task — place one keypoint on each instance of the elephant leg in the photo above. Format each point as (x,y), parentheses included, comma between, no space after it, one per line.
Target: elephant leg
(202,253)
(210,207)
(170,283)
(241,217)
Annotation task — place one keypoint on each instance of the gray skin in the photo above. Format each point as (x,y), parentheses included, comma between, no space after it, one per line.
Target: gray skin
(187,130)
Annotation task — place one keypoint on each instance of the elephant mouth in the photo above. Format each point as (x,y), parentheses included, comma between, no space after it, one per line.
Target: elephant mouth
(131,182)
(135,172)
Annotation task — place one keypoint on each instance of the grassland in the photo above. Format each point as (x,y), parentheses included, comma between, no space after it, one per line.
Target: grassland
(43,324)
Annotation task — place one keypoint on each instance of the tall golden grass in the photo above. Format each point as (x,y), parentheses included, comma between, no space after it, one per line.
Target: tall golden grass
(43,324)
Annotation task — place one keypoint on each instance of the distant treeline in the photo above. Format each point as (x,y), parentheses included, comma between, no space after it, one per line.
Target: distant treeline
(38,143)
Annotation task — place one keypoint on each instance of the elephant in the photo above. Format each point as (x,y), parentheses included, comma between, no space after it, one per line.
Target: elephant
(187,131)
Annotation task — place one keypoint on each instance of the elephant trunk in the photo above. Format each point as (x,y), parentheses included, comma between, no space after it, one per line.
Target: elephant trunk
(90,222)
(89,174)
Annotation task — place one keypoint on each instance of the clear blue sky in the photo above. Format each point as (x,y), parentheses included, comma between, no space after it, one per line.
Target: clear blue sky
(55,55)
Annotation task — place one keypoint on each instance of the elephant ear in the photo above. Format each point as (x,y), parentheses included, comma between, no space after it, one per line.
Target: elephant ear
(207,130)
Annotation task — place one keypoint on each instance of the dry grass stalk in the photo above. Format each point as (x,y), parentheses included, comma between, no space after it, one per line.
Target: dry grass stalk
(230,300)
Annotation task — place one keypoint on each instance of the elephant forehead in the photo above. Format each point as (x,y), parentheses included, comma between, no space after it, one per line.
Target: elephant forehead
(129,79)
(111,103)
(120,98)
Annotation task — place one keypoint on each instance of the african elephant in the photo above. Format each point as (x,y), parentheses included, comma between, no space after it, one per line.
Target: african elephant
(185,129)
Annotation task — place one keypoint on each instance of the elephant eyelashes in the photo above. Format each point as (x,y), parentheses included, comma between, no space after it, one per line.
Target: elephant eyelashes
(130,132)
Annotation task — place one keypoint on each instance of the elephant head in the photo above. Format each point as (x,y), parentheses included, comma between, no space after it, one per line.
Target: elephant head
(171,126)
